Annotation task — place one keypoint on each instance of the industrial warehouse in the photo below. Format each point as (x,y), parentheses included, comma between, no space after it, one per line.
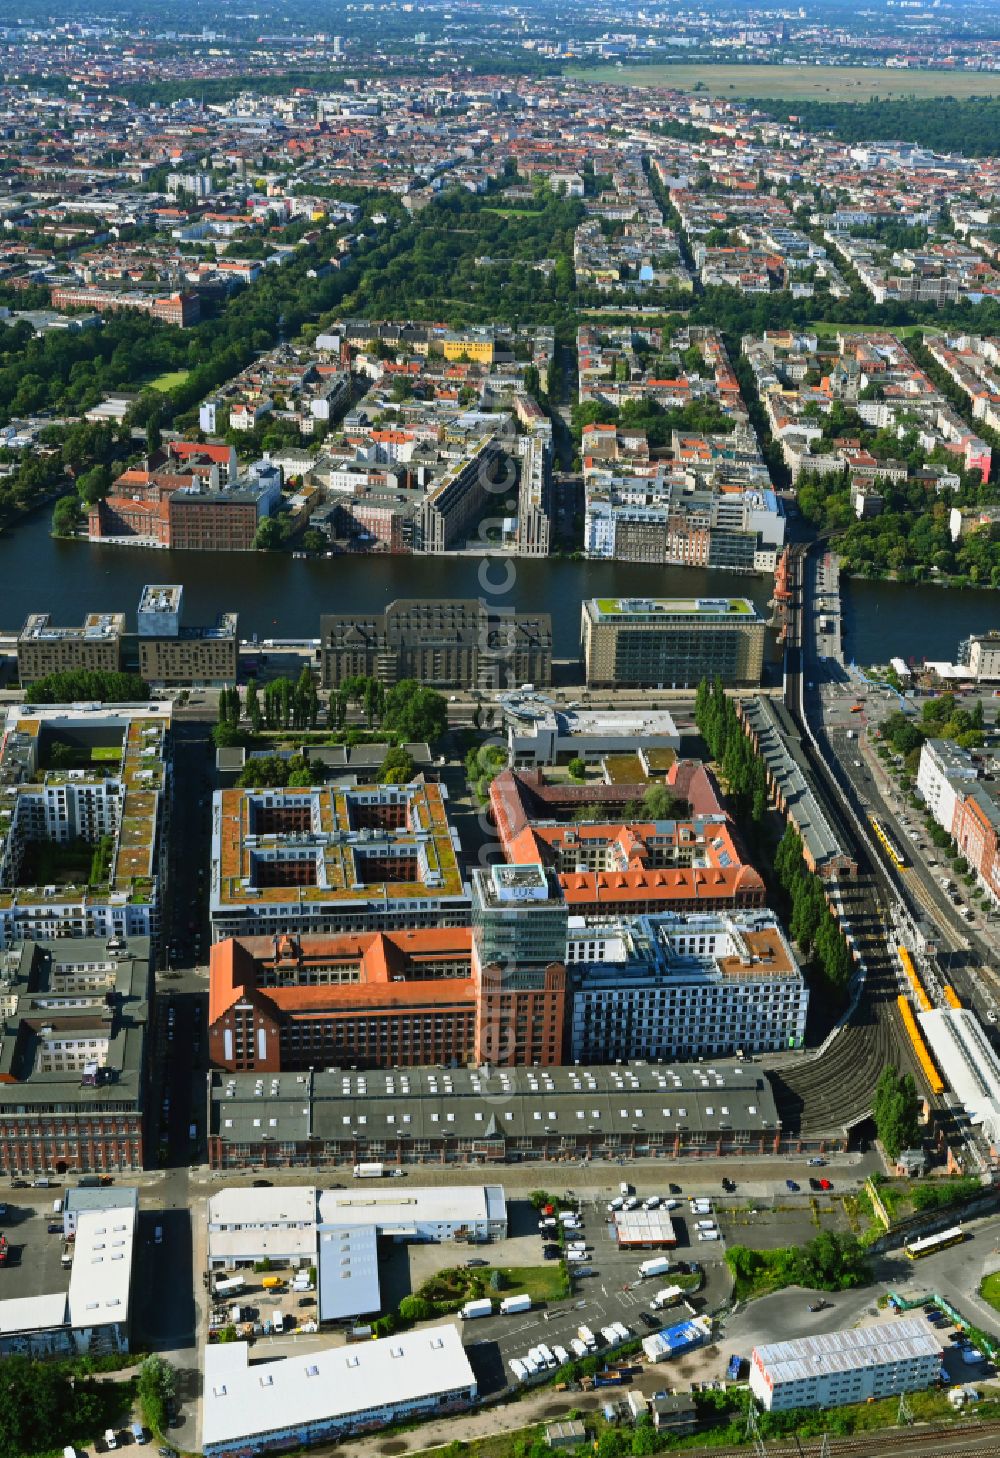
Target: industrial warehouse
(456,1116)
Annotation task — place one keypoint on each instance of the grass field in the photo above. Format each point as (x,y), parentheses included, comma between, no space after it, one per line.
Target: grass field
(990,1290)
(798,83)
(169,379)
(827,330)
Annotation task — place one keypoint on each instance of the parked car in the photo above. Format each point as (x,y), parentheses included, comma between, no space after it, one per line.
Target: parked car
(816,1159)
(791,1187)
(476,1262)
(825,1185)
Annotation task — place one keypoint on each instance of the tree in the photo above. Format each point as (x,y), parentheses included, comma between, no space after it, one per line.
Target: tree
(896,1110)
(157,1387)
(101,685)
(659,804)
(397,768)
(577,768)
(268,536)
(253,706)
(93,484)
(415,1308)
(66,517)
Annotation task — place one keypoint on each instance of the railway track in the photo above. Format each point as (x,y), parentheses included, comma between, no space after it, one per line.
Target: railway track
(830,1092)
(911,1442)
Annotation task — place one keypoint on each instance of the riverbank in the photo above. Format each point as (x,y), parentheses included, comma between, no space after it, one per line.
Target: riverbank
(278,596)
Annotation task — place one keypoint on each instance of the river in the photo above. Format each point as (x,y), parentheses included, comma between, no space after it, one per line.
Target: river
(278,596)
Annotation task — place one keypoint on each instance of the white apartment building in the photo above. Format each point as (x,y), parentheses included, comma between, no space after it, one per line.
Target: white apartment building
(845,1366)
(674,986)
(942,776)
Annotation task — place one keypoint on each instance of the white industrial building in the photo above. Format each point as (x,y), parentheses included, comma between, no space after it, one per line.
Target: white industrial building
(671,986)
(845,1366)
(538,734)
(92,1317)
(476,1212)
(247,1225)
(968,1064)
(337,1231)
(644,1229)
(347,1264)
(307,1399)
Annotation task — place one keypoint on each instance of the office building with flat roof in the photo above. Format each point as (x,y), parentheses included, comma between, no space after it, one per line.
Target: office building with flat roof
(441,642)
(857,1365)
(325,859)
(671,643)
(43,648)
(686,987)
(519,962)
(171,654)
(326,1394)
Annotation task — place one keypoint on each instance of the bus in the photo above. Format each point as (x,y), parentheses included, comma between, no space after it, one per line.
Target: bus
(930,1244)
(887,843)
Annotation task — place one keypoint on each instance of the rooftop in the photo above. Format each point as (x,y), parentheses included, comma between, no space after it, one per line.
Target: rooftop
(243,1402)
(847,1351)
(101,1276)
(489,1103)
(662,607)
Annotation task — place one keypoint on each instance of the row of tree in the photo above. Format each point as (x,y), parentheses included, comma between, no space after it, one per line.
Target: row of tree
(812,924)
(103,686)
(742,767)
(896,1111)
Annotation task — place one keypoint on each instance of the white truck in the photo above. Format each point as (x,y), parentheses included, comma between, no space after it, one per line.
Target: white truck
(658,1266)
(667,1297)
(587,1337)
(511,1305)
(228,1285)
(369,1171)
(472,1309)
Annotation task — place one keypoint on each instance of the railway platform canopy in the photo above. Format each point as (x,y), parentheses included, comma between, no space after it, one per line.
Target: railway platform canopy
(790,778)
(970,1067)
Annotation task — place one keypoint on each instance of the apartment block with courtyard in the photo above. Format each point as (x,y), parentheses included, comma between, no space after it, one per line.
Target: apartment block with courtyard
(83,796)
(325,859)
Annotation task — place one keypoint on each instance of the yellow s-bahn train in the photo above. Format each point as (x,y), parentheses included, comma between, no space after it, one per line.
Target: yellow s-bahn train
(887,843)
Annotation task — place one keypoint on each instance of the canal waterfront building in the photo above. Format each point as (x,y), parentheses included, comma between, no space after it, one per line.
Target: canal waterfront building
(644,642)
(43,648)
(441,642)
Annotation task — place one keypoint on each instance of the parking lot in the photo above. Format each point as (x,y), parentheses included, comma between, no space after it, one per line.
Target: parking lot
(33,1267)
(612,1290)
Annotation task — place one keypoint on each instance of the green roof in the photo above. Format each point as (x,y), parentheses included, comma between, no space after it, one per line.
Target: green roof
(705,606)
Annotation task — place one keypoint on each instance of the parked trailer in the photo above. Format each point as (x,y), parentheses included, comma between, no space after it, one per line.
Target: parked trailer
(510,1305)
(472,1309)
(657,1267)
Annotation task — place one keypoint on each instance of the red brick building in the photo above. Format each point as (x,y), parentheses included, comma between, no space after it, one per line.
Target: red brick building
(378,1000)
(180,309)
